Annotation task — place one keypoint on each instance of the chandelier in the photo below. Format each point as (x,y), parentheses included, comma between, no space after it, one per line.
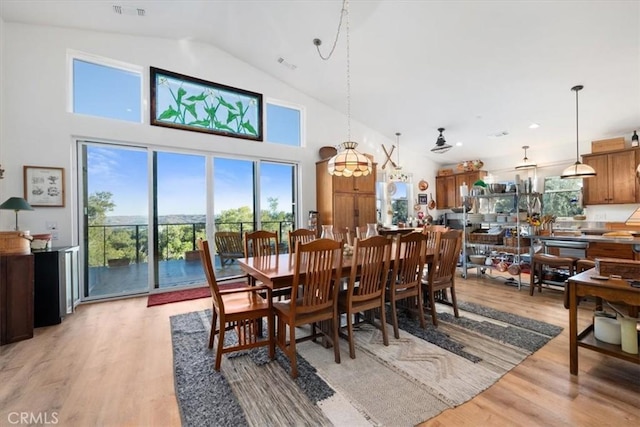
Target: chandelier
(349,161)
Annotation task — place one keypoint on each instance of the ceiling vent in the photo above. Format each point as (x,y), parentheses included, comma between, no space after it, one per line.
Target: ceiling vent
(126,10)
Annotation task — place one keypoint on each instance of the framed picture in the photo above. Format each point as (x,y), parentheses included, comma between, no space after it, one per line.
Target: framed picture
(189,103)
(44,186)
(423,199)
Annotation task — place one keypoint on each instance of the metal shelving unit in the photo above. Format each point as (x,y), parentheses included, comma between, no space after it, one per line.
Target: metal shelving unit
(511,254)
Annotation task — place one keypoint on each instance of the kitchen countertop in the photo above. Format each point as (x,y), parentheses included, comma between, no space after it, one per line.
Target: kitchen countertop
(591,238)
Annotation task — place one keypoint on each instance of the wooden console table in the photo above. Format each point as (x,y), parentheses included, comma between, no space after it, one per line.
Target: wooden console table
(582,285)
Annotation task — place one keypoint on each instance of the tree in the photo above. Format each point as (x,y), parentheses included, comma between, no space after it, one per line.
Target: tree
(98,205)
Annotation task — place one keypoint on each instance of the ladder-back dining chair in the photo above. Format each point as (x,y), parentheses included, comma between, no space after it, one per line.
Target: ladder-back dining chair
(442,273)
(302,235)
(366,286)
(361,232)
(342,235)
(406,276)
(313,298)
(260,243)
(241,309)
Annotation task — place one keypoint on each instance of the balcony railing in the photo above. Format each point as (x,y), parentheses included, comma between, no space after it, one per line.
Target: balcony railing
(130,241)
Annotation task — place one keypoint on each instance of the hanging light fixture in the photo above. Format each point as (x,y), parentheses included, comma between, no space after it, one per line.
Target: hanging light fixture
(441,144)
(578,169)
(526,164)
(397,174)
(349,161)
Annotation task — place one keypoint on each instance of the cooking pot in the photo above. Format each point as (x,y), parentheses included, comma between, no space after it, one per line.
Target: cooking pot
(502,267)
(514,269)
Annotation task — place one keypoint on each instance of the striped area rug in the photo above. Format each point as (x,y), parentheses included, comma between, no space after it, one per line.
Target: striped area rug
(412,380)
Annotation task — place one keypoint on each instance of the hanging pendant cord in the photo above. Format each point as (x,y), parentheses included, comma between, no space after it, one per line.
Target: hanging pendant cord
(577,139)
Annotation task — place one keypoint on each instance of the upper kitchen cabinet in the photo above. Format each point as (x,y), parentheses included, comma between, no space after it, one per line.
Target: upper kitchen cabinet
(448,188)
(615,181)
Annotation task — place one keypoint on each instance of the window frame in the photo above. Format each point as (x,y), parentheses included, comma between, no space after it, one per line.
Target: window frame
(280,103)
(72,55)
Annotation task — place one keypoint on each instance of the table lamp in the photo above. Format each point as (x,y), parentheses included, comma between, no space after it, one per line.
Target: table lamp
(16,204)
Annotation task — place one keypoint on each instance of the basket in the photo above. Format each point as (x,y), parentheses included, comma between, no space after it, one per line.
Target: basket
(515,241)
(481,236)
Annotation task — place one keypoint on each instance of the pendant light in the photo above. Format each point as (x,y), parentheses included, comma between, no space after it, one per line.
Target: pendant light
(348,162)
(526,164)
(441,145)
(578,169)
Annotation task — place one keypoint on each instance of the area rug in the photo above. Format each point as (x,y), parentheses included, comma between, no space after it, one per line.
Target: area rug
(188,294)
(412,380)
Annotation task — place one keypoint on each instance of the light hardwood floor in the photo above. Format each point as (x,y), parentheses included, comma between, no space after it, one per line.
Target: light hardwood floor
(110,364)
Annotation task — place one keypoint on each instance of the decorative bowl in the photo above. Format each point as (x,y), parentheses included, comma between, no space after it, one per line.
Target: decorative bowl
(477,259)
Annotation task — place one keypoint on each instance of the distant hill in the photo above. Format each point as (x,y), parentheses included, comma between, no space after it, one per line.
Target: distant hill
(143,220)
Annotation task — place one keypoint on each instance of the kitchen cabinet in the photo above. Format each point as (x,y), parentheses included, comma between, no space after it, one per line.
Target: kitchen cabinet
(345,202)
(448,188)
(615,181)
(16,298)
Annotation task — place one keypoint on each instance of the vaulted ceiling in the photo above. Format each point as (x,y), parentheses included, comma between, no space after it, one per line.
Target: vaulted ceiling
(484,70)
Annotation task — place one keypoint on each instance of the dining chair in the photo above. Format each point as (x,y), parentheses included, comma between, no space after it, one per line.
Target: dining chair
(406,276)
(260,243)
(229,246)
(241,309)
(313,298)
(342,234)
(442,274)
(302,235)
(263,243)
(361,232)
(366,286)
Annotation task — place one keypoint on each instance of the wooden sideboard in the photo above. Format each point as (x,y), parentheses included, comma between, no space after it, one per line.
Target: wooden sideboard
(16,298)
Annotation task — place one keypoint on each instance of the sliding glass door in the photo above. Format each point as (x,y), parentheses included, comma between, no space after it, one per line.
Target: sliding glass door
(144,209)
(180,207)
(116,221)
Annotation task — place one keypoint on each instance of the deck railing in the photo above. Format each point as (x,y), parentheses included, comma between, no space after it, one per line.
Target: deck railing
(129,242)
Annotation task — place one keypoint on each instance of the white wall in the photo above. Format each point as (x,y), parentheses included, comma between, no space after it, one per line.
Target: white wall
(39,131)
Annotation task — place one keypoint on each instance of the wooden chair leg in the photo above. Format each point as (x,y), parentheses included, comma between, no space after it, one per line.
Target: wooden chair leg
(352,347)
(221,332)
(214,322)
(419,304)
(383,325)
(336,344)
(272,340)
(432,304)
(394,317)
(454,302)
(292,352)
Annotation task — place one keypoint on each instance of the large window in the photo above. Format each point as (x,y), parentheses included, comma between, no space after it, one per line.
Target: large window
(104,89)
(284,124)
(562,197)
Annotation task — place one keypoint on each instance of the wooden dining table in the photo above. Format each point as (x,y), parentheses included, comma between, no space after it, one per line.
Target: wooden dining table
(277,271)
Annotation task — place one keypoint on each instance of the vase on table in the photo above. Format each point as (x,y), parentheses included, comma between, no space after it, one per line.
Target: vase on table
(372,230)
(327,232)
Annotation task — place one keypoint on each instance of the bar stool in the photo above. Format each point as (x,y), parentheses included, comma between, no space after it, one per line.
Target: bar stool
(540,261)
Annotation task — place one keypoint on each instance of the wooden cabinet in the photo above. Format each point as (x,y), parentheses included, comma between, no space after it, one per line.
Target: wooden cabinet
(16,298)
(615,181)
(345,202)
(448,188)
